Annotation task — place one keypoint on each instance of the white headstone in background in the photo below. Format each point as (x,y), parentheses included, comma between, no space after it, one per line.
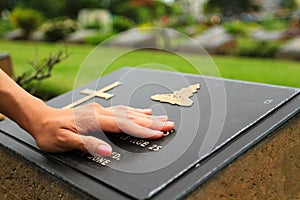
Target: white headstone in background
(134,38)
(268,35)
(80,35)
(102,16)
(291,50)
(215,41)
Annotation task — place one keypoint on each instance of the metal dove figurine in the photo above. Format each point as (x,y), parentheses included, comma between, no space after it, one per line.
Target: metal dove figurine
(181,97)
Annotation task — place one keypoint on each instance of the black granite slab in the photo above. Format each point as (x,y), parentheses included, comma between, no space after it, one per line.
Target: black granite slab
(227,117)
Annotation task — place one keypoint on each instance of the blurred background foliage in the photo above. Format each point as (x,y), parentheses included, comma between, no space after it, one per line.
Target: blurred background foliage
(231,8)
(56,20)
(140,10)
(26,19)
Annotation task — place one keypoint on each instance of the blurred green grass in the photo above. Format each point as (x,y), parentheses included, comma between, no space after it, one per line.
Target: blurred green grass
(271,71)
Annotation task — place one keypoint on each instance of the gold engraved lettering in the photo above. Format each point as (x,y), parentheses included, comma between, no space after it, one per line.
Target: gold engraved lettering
(140,142)
(181,97)
(101,160)
(133,141)
(116,155)
(124,137)
(168,132)
(155,147)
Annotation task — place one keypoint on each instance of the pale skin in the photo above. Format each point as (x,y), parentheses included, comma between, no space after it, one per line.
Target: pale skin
(60,130)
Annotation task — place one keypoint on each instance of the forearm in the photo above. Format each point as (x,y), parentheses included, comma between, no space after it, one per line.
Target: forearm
(17,104)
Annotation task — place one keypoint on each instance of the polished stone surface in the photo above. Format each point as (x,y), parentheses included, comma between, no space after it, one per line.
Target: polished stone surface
(261,173)
(223,113)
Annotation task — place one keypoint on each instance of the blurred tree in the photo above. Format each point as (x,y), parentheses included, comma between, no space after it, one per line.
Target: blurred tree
(230,8)
(49,8)
(138,10)
(26,19)
(72,7)
(142,11)
(59,8)
(7,5)
(289,4)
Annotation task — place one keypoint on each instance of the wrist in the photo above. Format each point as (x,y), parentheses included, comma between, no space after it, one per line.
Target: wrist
(20,106)
(33,116)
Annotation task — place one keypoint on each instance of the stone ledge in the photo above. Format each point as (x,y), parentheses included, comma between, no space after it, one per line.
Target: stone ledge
(6,64)
(270,170)
(22,180)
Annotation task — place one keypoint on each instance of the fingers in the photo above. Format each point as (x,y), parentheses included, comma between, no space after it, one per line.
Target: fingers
(134,114)
(130,109)
(133,121)
(96,146)
(160,123)
(132,128)
(155,122)
(109,111)
(89,144)
(143,127)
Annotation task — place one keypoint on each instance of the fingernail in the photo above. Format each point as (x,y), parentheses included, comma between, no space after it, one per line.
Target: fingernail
(147,110)
(162,117)
(104,150)
(169,123)
(156,135)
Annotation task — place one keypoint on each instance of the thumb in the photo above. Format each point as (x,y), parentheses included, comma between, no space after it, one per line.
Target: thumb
(94,146)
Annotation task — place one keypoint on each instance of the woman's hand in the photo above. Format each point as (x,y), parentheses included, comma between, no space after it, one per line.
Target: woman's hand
(61,130)
(58,130)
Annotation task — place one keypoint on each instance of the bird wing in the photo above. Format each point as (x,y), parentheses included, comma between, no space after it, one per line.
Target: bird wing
(180,97)
(169,98)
